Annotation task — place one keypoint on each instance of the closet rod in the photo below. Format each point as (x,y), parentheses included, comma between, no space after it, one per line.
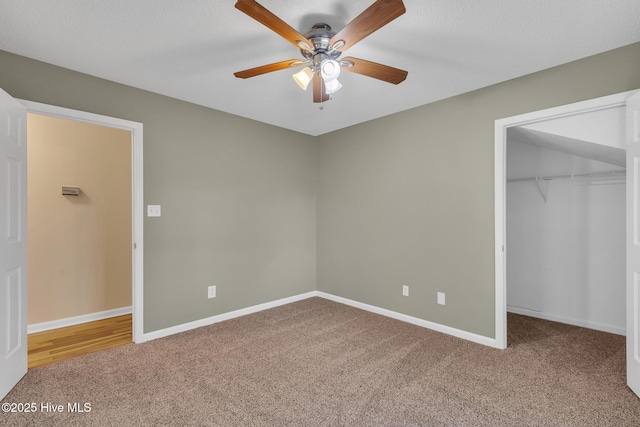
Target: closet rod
(596,175)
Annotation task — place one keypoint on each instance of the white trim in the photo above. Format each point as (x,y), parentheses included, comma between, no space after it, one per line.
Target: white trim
(479,339)
(136,189)
(500,144)
(500,182)
(568,321)
(161,333)
(373,309)
(76,320)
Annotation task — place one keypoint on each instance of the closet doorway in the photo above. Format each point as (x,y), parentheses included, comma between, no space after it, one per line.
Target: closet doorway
(565,221)
(587,120)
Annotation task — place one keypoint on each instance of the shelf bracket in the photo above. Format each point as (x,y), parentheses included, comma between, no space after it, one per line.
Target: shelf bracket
(543,187)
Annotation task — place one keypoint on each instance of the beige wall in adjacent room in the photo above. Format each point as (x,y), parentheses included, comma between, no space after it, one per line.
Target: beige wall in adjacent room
(79,246)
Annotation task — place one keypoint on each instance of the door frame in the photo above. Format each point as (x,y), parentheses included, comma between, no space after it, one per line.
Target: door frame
(500,179)
(137,208)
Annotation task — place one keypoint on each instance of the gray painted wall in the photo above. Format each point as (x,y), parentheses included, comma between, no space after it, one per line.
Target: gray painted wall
(238,197)
(403,200)
(408,199)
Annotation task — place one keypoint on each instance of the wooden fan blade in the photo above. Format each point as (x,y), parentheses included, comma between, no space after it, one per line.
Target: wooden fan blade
(373,18)
(375,70)
(252,72)
(271,21)
(319,94)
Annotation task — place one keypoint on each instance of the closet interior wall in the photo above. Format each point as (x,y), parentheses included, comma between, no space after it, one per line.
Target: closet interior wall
(565,237)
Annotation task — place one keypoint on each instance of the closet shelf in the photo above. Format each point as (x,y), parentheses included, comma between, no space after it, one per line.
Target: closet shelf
(618,173)
(607,176)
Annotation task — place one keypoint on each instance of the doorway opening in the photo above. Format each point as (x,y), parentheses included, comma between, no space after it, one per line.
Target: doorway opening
(581,115)
(133,220)
(565,225)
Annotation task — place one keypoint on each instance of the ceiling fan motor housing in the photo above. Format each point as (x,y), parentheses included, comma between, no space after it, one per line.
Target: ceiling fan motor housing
(320,35)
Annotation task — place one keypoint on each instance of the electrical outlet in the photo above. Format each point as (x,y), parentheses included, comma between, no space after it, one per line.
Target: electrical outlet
(211,292)
(441,298)
(405,290)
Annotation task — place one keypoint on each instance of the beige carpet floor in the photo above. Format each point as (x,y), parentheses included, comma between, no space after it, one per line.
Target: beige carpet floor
(320,363)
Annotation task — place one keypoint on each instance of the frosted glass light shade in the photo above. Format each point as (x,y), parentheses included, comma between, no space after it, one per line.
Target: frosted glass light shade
(332,86)
(329,70)
(303,77)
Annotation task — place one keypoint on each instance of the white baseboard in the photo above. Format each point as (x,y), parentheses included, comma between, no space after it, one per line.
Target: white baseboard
(161,333)
(469,336)
(560,319)
(76,320)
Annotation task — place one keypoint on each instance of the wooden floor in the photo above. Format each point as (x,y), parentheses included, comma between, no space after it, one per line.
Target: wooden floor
(65,343)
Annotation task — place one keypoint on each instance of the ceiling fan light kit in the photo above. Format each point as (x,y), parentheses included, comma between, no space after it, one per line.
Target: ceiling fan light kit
(321,47)
(303,77)
(332,87)
(329,69)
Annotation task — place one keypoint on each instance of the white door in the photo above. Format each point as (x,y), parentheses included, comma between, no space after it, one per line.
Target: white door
(13,242)
(633,243)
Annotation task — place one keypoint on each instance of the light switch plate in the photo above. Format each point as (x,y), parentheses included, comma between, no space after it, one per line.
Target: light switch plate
(153,210)
(441,298)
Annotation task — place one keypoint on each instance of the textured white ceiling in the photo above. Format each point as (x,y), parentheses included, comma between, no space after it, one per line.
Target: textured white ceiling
(190,49)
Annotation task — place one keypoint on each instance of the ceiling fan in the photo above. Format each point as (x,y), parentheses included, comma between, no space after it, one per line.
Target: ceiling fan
(321,48)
